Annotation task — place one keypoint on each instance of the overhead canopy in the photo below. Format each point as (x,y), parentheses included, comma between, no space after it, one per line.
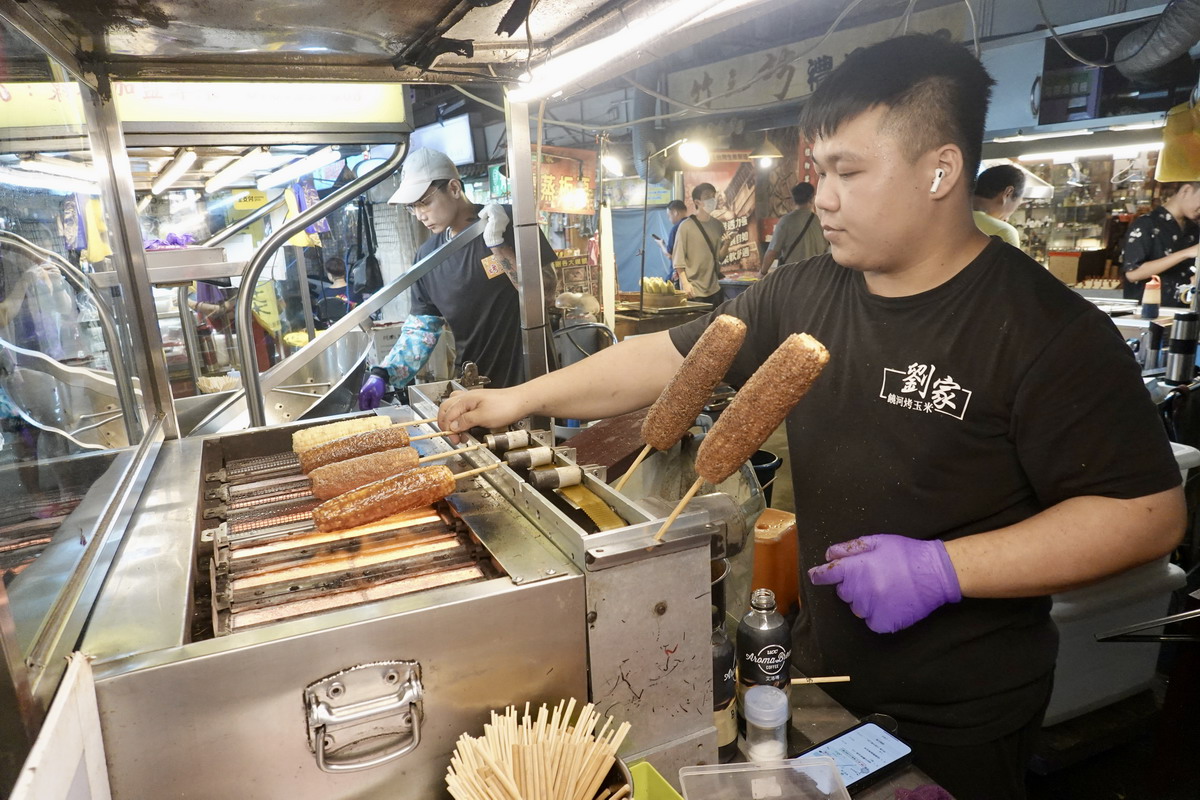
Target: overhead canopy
(432,40)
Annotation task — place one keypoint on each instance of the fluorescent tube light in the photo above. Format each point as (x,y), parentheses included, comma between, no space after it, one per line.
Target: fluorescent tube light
(174,171)
(1116,151)
(1033,137)
(563,70)
(305,166)
(63,167)
(51,183)
(243,165)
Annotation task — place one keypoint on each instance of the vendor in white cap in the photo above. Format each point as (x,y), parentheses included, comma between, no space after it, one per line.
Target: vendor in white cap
(474,290)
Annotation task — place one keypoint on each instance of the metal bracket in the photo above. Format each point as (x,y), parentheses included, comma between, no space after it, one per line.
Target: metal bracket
(365,716)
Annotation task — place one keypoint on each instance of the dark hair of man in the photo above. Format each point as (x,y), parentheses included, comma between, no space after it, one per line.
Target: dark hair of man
(700,189)
(802,193)
(1168,190)
(934,90)
(677,205)
(992,182)
(335,268)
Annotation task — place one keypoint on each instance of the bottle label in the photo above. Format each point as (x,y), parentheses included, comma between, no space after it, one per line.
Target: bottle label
(725,721)
(770,661)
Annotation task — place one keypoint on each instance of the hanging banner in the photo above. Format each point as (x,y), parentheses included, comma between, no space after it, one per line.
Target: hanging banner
(566,180)
(793,71)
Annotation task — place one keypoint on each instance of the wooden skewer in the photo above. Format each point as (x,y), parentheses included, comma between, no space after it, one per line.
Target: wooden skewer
(518,758)
(679,509)
(418,421)
(640,458)
(458,476)
(426,436)
(454,452)
(828,679)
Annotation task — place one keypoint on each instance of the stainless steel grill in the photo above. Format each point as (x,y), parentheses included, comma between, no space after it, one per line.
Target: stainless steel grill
(268,563)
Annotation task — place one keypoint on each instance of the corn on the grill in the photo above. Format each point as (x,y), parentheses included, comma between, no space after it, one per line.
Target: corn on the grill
(342,476)
(308,438)
(412,489)
(359,444)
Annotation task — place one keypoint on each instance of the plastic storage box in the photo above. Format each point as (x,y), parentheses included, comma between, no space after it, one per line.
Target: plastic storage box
(798,779)
(1090,674)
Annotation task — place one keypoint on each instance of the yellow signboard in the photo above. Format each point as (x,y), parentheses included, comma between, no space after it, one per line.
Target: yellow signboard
(249,199)
(345,103)
(40,105)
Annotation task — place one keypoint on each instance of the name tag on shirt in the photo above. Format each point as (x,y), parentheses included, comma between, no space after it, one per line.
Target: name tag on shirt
(492,267)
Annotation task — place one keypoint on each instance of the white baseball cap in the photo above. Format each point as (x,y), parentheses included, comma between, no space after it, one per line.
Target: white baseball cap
(421,168)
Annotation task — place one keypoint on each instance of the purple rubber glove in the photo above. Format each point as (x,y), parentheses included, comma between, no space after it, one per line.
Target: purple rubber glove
(371,392)
(890,581)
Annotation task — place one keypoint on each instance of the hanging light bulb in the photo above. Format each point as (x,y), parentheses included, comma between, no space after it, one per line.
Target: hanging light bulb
(694,154)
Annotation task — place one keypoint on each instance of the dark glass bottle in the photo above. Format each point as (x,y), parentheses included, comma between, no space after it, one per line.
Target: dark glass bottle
(724,691)
(764,647)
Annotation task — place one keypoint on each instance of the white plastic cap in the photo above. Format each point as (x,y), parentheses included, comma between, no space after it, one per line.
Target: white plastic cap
(766,706)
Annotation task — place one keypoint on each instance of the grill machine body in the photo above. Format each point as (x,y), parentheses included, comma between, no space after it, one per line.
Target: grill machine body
(600,616)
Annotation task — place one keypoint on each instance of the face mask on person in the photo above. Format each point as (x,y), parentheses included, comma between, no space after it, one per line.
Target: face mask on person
(709,205)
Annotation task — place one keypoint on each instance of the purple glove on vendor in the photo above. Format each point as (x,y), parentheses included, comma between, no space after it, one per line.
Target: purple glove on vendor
(372,391)
(890,581)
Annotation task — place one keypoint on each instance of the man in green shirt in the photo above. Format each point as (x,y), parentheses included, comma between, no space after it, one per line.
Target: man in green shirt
(699,247)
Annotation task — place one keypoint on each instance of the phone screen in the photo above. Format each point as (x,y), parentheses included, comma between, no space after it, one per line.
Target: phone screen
(861,752)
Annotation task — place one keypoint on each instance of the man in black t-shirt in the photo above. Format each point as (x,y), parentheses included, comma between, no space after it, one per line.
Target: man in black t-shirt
(1163,243)
(950,472)
(474,290)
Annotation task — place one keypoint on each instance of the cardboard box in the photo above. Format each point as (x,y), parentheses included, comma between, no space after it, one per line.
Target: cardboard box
(1064,265)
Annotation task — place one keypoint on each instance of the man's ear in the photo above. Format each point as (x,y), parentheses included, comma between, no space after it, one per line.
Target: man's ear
(949,160)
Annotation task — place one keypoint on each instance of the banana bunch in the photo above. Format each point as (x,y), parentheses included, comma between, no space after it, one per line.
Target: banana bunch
(657,286)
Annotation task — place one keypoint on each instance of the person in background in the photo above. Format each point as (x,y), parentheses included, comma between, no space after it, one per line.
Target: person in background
(951,474)
(997,195)
(474,290)
(699,247)
(676,213)
(337,298)
(798,234)
(1163,243)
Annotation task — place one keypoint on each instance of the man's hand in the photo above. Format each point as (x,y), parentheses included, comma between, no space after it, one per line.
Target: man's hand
(890,581)
(372,391)
(482,408)
(495,223)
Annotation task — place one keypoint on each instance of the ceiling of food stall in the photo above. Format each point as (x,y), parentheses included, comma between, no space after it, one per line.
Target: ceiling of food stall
(438,41)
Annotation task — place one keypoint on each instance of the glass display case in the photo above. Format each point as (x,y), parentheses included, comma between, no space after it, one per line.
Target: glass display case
(1095,198)
(72,418)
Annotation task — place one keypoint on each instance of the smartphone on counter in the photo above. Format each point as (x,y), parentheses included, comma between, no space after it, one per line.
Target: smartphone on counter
(864,754)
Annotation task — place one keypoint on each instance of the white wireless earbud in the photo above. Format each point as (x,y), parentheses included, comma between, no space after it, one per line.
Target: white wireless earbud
(938,174)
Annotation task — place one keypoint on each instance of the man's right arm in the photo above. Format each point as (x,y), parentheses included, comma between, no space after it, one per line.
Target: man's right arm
(1158,266)
(616,380)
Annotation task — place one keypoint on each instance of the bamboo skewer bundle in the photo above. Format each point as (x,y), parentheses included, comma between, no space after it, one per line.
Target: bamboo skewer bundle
(521,758)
